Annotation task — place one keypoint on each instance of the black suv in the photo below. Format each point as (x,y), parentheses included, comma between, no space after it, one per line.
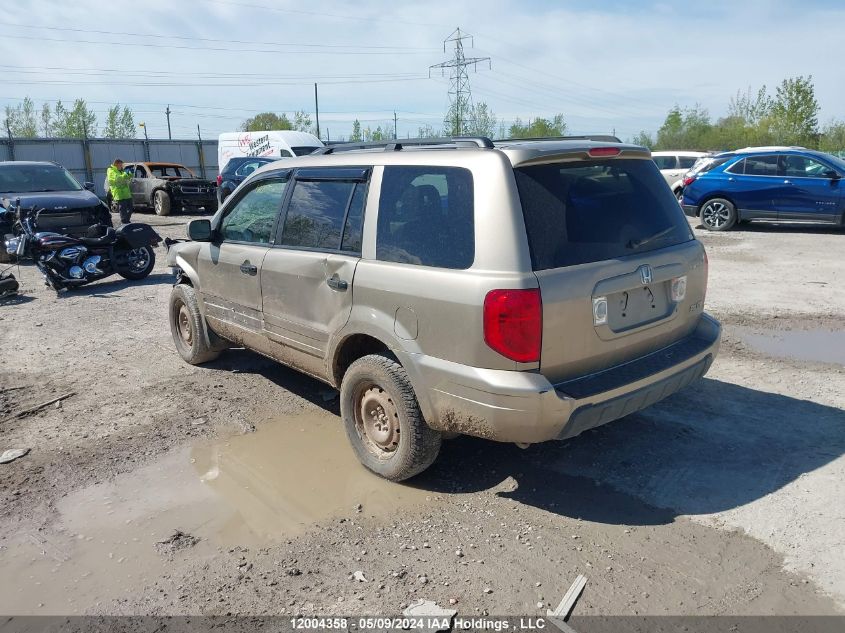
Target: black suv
(234,173)
(70,209)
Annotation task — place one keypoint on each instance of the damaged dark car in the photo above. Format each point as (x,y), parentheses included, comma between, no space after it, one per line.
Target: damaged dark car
(168,187)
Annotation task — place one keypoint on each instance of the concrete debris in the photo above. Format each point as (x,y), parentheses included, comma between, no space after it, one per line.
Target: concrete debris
(12,454)
(177,541)
(359,576)
(566,605)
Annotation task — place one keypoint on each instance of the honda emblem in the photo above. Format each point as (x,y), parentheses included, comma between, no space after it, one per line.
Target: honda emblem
(645,274)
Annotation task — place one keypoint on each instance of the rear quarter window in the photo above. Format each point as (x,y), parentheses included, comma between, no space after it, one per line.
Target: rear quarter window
(590,211)
(426,217)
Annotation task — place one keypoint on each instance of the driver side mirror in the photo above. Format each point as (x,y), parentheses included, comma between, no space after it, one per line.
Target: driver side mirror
(832,174)
(199,230)
(90,186)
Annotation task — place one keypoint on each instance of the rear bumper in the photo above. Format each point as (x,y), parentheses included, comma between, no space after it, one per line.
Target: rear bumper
(690,210)
(513,406)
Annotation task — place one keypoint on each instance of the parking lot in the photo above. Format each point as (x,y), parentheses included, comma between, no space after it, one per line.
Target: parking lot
(230,488)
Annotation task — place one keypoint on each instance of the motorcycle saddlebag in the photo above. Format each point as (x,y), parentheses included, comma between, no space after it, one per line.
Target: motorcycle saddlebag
(138,235)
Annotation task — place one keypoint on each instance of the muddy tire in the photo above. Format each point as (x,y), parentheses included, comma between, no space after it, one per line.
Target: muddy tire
(141,263)
(383,420)
(161,203)
(188,328)
(718,214)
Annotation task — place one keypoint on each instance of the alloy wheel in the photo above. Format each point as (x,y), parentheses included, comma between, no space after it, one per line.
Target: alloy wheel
(715,214)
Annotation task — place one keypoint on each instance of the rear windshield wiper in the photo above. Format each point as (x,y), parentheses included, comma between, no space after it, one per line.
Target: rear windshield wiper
(651,238)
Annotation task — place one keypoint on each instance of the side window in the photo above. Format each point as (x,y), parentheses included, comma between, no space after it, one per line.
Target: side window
(795,166)
(426,217)
(761,166)
(252,217)
(317,215)
(247,168)
(352,232)
(737,168)
(664,162)
(686,162)
(285,153)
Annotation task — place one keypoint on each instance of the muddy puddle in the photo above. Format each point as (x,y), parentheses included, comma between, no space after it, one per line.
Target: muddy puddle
(251,490)
(822,346)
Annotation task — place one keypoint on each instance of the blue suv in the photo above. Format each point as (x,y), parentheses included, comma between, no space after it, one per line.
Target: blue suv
(766,183)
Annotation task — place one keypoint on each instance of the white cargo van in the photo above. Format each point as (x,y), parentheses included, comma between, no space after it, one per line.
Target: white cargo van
(276,144)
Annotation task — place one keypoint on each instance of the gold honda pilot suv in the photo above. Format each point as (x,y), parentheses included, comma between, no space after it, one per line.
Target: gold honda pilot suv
(520,291)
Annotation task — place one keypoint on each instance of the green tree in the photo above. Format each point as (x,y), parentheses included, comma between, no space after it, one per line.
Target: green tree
(21,119)
(833,137)
(127,124)
(643,139)
(119,123)
(685,129)
(538,127)
(111,128)
(78,122)
(356,137)
(266,121)
(795,113)
(46,120)
(426,131)
(302,121)
(482,121)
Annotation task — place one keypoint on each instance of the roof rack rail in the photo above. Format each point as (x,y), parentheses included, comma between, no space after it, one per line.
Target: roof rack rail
(604,138)
(396,145)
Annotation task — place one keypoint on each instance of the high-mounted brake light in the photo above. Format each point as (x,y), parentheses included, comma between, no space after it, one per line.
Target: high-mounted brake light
(598,152)
(513,323)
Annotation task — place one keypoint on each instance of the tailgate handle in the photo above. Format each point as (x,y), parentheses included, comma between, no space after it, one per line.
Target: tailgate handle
(336,283)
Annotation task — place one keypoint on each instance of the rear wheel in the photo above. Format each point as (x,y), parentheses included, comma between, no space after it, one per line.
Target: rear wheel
(161,203)
(718,214)
(383,419)
(139,263)
(188,328)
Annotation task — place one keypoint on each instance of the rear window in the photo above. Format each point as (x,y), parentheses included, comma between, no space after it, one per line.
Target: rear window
(582,212)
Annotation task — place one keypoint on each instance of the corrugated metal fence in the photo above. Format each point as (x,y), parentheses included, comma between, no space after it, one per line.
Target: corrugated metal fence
(89,159)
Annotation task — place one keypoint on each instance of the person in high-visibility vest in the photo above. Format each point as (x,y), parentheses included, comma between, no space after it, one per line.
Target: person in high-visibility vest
(119,186)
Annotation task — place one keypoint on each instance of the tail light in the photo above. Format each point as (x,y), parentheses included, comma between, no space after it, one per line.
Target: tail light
(513,323)
(689,180)
(219,179)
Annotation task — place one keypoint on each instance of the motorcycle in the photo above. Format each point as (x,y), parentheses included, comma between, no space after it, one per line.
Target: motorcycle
(69,262)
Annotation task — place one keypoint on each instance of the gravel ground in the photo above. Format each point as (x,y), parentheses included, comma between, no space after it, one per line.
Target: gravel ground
(157,487)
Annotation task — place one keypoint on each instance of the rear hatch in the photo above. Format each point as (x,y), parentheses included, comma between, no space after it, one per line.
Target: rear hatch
(620,272)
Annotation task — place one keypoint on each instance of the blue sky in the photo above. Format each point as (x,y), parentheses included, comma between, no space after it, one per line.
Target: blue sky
(606,66)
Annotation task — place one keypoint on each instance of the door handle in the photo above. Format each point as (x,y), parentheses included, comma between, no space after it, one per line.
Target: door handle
(336,283)
(787,182)
(248,269)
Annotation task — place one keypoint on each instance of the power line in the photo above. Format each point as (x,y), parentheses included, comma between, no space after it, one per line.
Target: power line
(215,40)
(211,48)
(62,82)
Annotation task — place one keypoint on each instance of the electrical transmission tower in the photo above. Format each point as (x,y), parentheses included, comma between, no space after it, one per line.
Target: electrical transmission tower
(460,118)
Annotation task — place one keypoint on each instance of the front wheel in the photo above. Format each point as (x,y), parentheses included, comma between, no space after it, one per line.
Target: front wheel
(718,214)
(139,263)
(161,203)
(188,328)
(383,420)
